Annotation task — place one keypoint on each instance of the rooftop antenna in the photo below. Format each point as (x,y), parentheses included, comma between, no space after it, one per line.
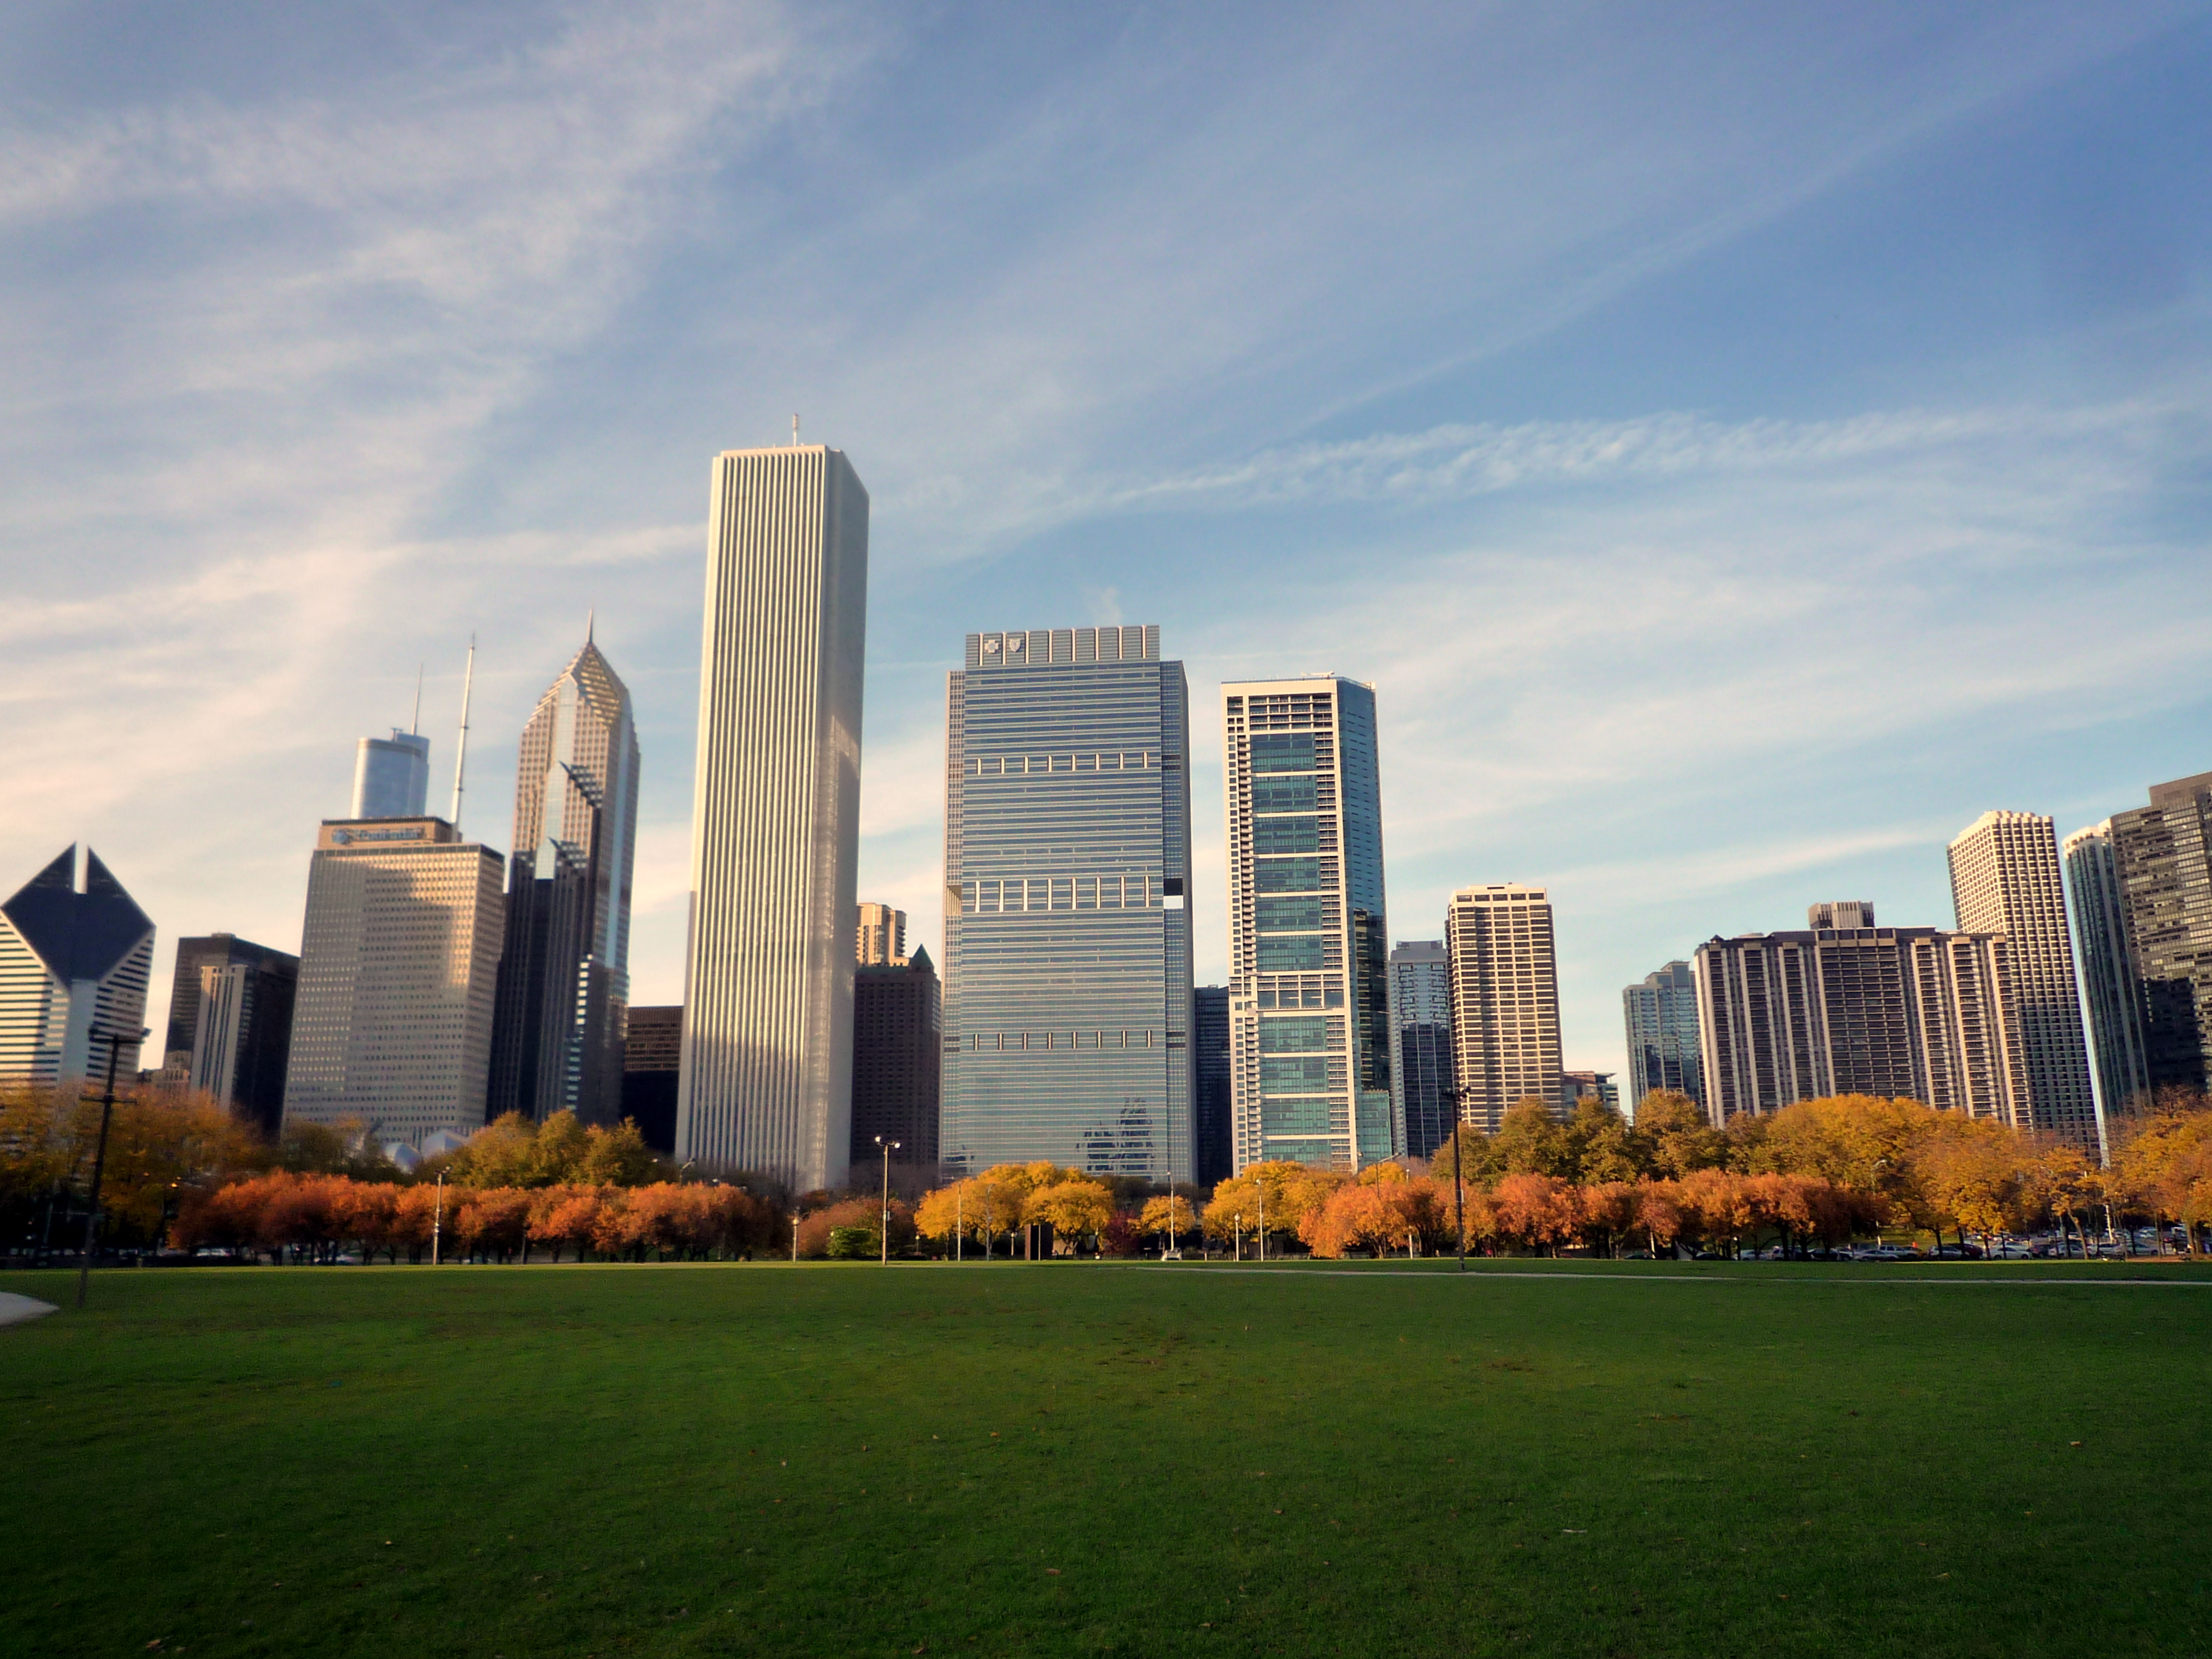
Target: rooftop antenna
(590,620)
(461,750)
(794,429)
(415,725)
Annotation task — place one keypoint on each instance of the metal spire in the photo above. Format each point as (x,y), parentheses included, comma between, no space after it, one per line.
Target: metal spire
(461,750)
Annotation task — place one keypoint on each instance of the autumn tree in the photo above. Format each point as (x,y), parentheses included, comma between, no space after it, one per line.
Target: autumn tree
(1542,1212)
(1072,1208)
(1675,1136)
(1530,1141)
(981,1206)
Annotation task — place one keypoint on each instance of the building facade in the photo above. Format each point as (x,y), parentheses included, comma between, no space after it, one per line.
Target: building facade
(1420,1046)
(1213,1101)
(653,1061)
(881,939)
(2108,974)
(2005,879)
(1309,931)
(564,972)
(241,1010)
(1912,1012)
(768,1036)
(897,1063)
(392,776)
(1661,1018)
(75,962)
(209,951)
(1576,1087)
(1504,1001)
(2164,855)
(1067,992)
(398,970)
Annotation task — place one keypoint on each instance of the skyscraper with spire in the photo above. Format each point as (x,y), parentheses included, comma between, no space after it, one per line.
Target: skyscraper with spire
(564,978)
(73,962)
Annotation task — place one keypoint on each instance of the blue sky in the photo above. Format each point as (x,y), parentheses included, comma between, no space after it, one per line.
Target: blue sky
(1741,443)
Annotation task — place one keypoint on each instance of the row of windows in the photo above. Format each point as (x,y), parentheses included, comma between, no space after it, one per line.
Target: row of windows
(1000,1042)
(1288,751)
(1293,875)
(1059,893)
(1292,794)
(1313,991)
(1292,834)
(1278,953)
(1008,765)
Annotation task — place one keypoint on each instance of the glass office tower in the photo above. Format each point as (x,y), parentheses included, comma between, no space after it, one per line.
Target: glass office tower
(1309,998)
(1662,1019)
(1067,981)
(1421,1054)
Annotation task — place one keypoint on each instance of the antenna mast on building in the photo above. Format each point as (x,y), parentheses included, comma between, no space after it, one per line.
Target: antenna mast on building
(461,750)
(794,431)
(415,724)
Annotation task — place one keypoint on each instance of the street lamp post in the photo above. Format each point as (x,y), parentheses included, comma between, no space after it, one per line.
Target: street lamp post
(1459,1173)
(884,1232)
(115,1039)
(438,1219)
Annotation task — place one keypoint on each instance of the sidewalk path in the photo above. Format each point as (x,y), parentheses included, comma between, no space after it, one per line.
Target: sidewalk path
(15,1310)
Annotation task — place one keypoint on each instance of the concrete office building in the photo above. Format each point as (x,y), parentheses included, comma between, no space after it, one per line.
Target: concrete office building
(392,776)
(2108,975)
(1576,1087)
(652,1061)
(399,968)
(2005,880)
(564,971)
(230,1024)
(1504,999)
(1661,1018)
(881,939)
(1420,1046)
(767,1035)
(1213,1099)
(1309,933)
(1917,1012)
(2163,852)
(71,959)
(1068,951)
(896,1065)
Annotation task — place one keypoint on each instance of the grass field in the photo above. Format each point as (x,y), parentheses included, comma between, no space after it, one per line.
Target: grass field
(1766,1460)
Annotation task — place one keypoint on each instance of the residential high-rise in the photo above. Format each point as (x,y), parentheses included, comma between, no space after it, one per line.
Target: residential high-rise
(2108,975)
(234,1000)
(653,1061)
(1308,950)
(564,973)
(392,776)
(1067,989)
(1912,1012)
(1839,913)
(2005,880)
(2164,855)
(897,1062)
(1504,1001)
(882,936)
(1662,1017)
(1420,1046)
(767,1032)
(71,958)
(398,965)
(1214,1102)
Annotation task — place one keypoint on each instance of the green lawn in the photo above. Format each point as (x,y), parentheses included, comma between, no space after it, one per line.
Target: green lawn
(1763,1460)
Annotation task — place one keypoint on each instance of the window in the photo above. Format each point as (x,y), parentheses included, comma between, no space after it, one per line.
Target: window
(1286,876)
(1285,751)
(1293,1074)
(1305,1035)
(1282,794)
(1288,951)
(1286,836)
(1283,915)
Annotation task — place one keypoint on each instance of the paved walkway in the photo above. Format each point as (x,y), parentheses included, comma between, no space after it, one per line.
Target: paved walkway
(15,1310)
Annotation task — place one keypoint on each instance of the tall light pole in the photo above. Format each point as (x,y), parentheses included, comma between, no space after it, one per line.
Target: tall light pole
(959,1218)
(438,1219)
(1457,1096)
(884,1232)
(114,1040)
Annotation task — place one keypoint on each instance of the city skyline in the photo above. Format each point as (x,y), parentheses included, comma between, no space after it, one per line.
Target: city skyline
(1880,335)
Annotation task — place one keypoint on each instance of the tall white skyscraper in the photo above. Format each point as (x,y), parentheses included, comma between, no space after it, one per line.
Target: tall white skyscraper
(71,960)
(398,966)
(1505,999)
(2005,880)
(1308,938)
(2108,974)
(767,1073)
